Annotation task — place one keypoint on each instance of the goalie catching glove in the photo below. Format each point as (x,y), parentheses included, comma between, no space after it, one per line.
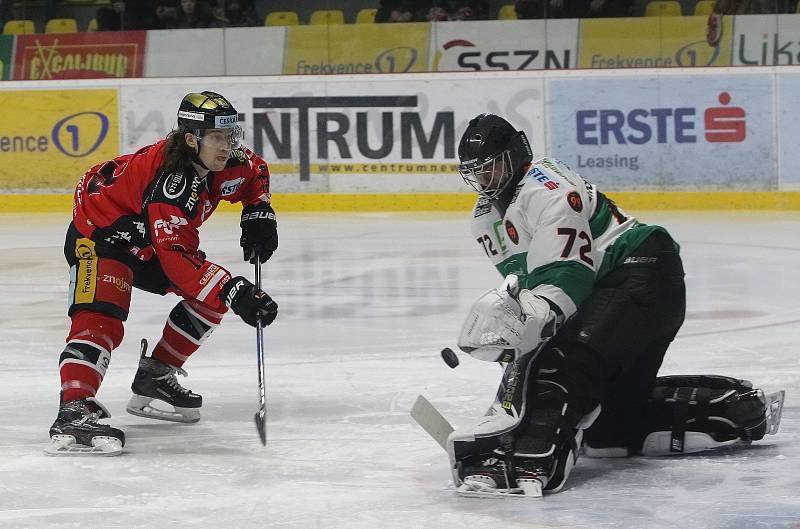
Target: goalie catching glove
(506,319)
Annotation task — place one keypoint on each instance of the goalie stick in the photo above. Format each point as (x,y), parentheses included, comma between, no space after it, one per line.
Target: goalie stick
(431,420)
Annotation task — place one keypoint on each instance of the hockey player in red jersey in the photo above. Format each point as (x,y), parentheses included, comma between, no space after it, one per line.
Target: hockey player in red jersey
(135,225)
(591,300)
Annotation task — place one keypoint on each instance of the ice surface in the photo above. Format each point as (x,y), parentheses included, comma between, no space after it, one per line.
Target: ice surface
(367,301)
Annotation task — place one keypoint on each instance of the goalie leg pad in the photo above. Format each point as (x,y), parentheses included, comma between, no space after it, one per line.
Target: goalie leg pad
(531,440)
(688,414)
(477,445)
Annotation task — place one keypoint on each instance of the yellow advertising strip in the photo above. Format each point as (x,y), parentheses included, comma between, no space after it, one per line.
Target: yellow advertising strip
(49,138)
(651,42)
(86,275)
(320,202)
(357,48)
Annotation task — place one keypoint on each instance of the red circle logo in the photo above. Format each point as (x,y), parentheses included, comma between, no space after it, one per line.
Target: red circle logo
(511,230)
(575,202)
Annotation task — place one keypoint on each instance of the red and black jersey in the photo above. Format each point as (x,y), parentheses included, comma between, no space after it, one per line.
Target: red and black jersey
(133,204)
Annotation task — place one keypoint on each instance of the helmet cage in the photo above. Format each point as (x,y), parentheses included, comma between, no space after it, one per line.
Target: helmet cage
(232,139)
(489,178)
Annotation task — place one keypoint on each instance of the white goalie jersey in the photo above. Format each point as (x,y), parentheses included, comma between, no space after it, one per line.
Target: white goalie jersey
(559,234)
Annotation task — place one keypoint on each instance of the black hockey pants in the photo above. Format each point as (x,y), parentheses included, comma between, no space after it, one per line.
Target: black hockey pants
(617,340)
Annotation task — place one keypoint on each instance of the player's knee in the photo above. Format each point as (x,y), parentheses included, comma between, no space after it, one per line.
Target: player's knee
(101,329)
(195,320)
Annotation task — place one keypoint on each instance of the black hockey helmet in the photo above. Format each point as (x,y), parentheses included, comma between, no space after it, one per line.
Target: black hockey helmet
(202,111)
(491,152)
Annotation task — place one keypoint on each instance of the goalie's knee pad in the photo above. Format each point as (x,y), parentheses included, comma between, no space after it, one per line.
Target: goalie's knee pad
(688,414)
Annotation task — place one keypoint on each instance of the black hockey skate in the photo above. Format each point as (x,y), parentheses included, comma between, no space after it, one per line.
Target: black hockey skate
(77,432)
(156,380)
(502,474)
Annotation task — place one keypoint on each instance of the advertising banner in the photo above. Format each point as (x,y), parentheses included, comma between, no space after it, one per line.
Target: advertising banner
(387,134)
(80,55)
(788,131)
(6,59)
(504,45)
(651,42)
(357,48)
(766,40)
(666,132)
(49,138)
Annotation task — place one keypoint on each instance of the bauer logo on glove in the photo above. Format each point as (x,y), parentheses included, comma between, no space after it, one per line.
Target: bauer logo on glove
(259,232)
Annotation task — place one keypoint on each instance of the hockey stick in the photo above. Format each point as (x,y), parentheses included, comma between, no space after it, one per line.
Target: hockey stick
(431,420)
(261,415)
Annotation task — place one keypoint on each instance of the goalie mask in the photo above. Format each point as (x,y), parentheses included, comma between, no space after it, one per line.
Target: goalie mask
(202,112)
(491,153)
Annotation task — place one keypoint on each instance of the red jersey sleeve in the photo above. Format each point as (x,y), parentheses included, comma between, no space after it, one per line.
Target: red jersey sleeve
(252,178)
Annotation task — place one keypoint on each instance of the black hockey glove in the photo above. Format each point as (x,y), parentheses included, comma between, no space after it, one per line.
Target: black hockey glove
(248,302)
(259,232)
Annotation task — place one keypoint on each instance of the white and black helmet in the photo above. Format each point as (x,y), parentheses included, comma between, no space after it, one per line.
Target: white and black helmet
(491,152)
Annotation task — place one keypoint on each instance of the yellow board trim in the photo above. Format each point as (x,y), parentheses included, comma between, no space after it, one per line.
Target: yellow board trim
(321,202)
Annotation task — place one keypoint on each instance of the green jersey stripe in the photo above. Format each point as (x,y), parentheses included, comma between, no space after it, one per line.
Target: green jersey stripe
(599,221)
(624,245)
(575,279)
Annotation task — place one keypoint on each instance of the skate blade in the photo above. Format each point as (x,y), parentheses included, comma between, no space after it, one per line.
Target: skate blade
(774,411)
(526,490)
(141,407)
(66,445)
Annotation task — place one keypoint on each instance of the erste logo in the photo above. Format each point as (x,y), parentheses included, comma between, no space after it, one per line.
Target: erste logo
(639,126)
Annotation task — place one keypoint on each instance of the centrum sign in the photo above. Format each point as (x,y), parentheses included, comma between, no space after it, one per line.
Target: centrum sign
(80,55)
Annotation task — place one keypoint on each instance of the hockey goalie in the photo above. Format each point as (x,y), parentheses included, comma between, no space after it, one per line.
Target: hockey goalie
(591,300)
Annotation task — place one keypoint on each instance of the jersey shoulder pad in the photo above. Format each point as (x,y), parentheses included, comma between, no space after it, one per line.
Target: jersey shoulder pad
(245,157)
(177,189)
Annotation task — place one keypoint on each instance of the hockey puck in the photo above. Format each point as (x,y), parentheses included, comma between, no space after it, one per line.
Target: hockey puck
(449,358)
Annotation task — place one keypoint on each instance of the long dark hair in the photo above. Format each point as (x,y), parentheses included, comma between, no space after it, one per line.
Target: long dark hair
(178,155)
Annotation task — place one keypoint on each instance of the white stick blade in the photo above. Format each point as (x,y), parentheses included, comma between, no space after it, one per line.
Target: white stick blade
(433,422)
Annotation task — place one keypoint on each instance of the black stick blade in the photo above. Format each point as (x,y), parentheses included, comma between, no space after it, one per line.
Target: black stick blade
(261,425)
